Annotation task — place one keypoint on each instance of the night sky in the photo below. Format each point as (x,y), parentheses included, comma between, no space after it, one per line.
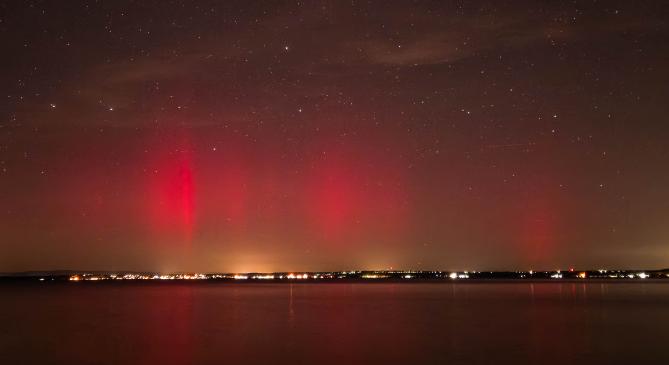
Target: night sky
(327,135)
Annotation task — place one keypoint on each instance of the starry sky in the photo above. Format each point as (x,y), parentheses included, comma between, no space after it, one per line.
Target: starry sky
(328,135)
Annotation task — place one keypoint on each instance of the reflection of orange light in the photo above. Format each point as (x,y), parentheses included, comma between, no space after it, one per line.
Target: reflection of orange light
(581,275)
(75,278)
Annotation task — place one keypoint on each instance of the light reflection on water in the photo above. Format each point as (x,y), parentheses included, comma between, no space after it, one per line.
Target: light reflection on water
(477,323)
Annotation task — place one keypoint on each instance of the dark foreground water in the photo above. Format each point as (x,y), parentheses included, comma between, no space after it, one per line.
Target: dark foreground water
(477,323)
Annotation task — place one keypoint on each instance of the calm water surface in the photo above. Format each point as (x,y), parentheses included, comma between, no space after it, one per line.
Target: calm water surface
(426,323)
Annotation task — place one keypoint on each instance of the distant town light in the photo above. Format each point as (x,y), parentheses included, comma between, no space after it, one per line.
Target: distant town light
(264,277)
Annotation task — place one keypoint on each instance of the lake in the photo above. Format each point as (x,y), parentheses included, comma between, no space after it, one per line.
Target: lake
(335,323)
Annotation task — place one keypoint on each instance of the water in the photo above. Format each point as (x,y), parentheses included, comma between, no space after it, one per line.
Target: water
(423,323)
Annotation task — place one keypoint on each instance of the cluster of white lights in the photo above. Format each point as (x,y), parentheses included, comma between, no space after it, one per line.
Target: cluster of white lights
(455,275)
(641,275)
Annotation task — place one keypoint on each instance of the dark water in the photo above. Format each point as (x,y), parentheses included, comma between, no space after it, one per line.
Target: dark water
(478,323)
